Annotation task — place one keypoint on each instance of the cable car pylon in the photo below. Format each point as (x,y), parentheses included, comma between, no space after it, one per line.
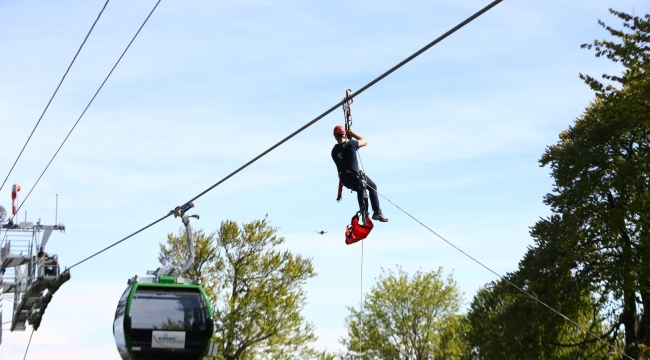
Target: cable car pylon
(36,275)
(165,316)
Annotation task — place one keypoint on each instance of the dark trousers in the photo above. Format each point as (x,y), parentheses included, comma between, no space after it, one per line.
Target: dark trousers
(353,183)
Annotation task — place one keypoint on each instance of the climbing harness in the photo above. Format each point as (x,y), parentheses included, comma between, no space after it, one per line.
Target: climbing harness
(355,231)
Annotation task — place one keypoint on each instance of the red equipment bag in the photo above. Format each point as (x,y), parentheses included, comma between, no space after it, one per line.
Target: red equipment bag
(357,232)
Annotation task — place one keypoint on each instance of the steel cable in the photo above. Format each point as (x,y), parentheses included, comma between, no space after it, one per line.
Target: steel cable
(504,279)
(55,91)
(87,106)
(30,341)
(361,90)
(327,112)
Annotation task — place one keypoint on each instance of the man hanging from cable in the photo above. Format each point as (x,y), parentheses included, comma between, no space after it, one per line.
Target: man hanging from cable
(344,155)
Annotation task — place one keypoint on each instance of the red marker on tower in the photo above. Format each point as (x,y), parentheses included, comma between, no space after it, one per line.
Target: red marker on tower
(14,198)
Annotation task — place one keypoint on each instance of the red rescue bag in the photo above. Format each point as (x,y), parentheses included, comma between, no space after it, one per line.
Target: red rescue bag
(355,231)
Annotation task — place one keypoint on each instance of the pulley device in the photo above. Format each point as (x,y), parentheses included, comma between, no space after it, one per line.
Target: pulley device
(347,111)
(355,231)
(165,316)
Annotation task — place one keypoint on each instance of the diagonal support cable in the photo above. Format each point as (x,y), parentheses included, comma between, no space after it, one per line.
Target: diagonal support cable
(53,95)
(87,106)
(506,280)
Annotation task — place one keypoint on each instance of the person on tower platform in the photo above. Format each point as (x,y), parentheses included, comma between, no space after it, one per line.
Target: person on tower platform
(344,155)
(41,253)
(52,266)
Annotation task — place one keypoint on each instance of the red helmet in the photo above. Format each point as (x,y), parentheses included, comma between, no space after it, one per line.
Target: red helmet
(339,130)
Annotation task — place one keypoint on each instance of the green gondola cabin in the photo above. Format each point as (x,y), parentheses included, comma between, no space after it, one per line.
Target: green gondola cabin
(160,319)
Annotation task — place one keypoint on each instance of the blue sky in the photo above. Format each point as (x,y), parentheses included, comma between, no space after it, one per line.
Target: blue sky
(454,136)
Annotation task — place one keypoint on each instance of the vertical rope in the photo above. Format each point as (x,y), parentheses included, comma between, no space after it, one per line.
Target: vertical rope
(361,306)
(361,288)
(347,114)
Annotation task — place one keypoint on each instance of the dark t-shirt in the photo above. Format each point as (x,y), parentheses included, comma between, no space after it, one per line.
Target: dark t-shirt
(345,155)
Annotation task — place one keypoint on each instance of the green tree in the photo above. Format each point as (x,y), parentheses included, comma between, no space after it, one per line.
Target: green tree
(207,262)
(256,290)
(597,240)
(504,323)
(407,318)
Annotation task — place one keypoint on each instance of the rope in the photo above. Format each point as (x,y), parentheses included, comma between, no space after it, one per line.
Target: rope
(505,279)
(361,306)
(365,183)
(347,114)
(364,88)
(87,106)
(55,91)
(368,213)
(30,341)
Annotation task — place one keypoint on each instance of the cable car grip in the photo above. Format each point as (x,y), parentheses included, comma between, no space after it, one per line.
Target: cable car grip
(180,211)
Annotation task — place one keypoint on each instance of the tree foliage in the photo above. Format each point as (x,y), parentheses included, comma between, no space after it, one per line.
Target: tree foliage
(256,290)
(601,198)
(591,258)
(407,318)
(505,323)
(207,263)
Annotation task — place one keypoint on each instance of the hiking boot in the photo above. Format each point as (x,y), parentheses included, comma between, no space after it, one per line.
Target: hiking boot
(377,215)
